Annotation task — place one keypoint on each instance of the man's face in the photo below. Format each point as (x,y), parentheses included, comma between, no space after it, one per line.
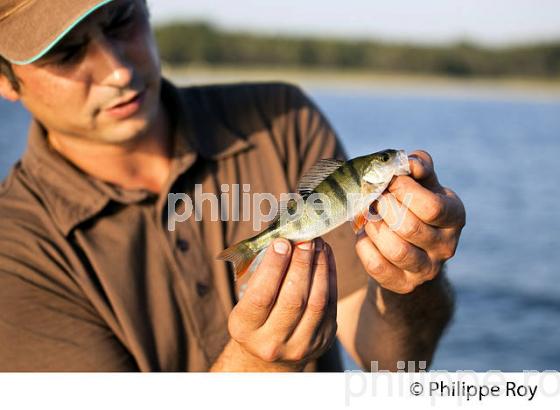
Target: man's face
(107,60)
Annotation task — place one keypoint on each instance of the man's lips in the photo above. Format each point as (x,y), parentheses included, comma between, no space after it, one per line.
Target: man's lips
(124,101)
(128,106)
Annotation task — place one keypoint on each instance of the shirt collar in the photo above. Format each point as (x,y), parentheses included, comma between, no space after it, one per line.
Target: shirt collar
(72,196)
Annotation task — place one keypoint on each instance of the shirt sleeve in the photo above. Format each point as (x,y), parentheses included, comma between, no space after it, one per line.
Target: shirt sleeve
(316,139)
(45,324)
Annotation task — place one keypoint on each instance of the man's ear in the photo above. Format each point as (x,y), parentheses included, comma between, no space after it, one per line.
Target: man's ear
(6,90)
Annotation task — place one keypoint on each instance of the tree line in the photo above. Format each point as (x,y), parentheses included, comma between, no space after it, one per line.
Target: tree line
(183,43)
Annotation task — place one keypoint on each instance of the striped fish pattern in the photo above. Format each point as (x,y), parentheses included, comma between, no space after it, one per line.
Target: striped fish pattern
(331,193)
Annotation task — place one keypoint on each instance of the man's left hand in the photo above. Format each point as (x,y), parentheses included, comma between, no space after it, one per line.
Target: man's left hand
(416,231)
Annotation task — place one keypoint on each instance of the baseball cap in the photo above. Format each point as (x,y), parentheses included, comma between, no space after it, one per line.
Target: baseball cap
(30,28)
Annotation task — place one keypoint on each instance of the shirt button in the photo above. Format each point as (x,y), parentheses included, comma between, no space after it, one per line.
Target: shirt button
(183,245)
(202,289)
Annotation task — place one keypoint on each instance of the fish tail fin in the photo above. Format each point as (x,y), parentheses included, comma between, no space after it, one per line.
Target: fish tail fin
(241,256)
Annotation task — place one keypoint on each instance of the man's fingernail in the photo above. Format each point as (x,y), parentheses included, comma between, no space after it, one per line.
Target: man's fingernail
(281,247)
(306,246)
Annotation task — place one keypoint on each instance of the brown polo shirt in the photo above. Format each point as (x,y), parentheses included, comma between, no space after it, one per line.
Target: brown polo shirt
(91,279)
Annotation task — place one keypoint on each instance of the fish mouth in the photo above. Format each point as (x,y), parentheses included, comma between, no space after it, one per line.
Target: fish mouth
(403,166)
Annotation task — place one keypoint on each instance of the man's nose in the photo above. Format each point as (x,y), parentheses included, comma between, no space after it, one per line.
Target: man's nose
(112,67)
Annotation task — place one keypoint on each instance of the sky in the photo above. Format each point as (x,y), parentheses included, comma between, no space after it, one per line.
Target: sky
(489,22)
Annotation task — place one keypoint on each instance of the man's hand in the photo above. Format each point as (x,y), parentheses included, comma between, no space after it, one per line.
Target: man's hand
(408,247)
(287,315)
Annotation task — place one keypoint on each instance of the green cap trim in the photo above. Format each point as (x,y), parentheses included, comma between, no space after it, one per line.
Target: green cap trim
(56,40)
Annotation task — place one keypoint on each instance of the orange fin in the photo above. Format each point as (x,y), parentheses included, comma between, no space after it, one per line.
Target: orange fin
(241,256)
(359,222)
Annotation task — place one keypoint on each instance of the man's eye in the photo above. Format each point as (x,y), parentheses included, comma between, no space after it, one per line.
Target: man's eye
(122,22)
(68,55)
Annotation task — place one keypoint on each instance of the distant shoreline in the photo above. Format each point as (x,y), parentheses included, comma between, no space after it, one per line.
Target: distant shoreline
(370,81)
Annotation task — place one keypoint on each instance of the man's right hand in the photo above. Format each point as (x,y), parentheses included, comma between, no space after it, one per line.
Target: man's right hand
(287,315)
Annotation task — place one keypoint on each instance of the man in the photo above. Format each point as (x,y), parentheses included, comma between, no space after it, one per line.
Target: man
(91,279)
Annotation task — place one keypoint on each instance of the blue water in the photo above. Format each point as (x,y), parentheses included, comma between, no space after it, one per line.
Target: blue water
(500,156)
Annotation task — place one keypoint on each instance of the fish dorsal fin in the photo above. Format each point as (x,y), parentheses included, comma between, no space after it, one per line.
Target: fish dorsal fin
(317,174)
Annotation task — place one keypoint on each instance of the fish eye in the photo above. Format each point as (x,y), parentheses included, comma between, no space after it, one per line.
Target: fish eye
(384,157)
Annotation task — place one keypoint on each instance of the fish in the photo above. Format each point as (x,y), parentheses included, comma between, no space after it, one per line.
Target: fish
(330,194)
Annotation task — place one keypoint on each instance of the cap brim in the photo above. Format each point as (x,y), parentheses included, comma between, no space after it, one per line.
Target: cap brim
(30,33)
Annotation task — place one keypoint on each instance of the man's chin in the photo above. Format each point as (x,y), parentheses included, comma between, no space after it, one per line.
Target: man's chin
(125,131)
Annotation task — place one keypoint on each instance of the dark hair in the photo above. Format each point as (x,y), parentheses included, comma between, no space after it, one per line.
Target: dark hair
(7,71)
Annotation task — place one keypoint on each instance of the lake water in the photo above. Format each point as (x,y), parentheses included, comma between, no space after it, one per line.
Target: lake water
(499,153)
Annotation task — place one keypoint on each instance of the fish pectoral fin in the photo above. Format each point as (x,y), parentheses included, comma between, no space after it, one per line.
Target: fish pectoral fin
(359,222)
(370,193)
